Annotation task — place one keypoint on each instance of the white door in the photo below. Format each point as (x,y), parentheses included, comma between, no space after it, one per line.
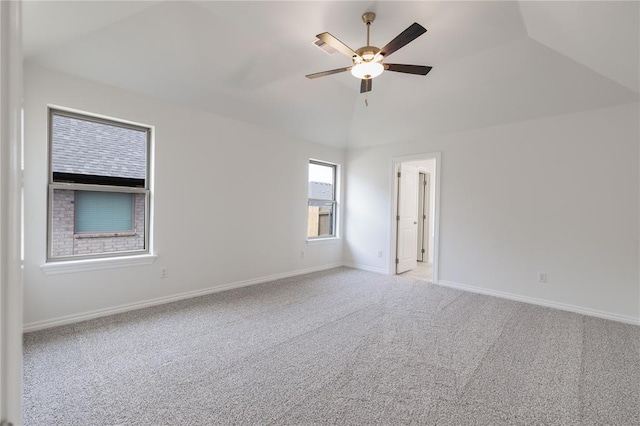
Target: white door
(407,219)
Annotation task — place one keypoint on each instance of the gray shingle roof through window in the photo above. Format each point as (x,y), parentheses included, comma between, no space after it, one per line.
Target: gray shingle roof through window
(90,148)
(320,191)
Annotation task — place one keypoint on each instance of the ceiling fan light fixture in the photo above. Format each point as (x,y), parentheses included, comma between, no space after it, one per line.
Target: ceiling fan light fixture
(366,70)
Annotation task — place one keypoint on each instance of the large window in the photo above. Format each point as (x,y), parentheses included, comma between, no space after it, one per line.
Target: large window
(98,187)
(322,206)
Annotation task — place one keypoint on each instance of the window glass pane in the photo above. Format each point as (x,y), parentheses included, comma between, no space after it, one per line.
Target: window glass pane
(320,220)
(321,181)
(103,211)
(116,224)
(85,151)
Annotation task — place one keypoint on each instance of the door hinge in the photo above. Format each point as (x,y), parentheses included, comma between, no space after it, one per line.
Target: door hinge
(424,217)
(399,174)
(422,251)
(397,261)
(398,218)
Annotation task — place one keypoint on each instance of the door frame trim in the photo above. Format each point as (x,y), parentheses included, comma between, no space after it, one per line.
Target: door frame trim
(395,162)
(11,296)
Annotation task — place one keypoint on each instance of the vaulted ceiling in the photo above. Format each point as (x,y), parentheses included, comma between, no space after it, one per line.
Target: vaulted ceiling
(493,62)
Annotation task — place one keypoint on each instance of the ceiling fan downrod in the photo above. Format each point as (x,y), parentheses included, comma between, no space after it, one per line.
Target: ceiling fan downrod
(368,18)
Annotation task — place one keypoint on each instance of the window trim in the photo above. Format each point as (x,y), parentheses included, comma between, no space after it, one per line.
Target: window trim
(81,115)
(96,264)
(334,201)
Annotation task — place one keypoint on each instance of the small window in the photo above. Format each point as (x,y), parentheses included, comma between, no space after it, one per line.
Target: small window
(103,212)
(98,187)
(322,205)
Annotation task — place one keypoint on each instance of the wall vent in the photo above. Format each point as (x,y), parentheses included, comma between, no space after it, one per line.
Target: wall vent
(324,47)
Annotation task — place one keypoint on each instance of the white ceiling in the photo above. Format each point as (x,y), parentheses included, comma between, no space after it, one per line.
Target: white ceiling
(494,62)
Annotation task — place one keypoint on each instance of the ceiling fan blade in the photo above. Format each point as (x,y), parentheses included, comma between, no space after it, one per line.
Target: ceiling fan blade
(366,84)
(408,69)
(325,73)
(414,31)
(337,44)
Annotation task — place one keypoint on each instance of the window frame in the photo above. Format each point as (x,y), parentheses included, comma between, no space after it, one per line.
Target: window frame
(74,186)
(334,200)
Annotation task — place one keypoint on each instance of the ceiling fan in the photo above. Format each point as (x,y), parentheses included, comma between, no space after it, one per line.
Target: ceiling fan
(367,61)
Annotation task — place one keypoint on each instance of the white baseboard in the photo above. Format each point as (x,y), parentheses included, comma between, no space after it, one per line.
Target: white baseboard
(542,302)
(69,319)
(366,268)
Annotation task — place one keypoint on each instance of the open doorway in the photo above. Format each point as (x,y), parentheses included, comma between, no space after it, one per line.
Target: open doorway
(415,216)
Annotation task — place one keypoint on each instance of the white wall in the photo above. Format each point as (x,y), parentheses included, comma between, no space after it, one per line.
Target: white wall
(230,202)
(557,194)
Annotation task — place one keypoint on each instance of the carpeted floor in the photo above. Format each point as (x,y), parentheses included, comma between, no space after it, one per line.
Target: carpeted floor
(336,347)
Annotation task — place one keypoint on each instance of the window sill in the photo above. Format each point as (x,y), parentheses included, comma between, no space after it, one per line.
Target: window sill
(70,266)
(106,234)
(318,241)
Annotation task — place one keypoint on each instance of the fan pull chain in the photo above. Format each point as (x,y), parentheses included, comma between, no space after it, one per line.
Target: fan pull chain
(366,98)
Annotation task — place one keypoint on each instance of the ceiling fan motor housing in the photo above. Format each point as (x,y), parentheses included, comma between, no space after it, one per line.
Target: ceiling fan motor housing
(367,53)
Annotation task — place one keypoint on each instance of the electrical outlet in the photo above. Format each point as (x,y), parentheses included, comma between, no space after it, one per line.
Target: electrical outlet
(164,273)
(379,253)
(542,277)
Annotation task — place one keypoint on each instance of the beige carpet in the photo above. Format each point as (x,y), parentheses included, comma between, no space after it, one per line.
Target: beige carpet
(336,347)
